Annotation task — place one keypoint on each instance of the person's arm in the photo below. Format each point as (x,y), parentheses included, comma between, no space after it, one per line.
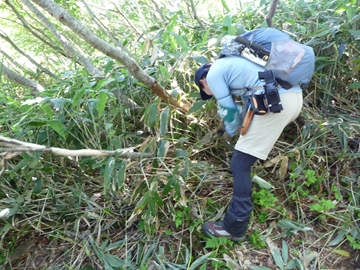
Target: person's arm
(228,110)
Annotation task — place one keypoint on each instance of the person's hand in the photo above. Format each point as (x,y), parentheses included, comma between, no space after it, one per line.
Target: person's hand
(232,127)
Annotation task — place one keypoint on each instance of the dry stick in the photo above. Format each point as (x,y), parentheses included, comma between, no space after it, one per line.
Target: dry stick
(271,13)
(126,18)
(30,28)
(23,147)
(101,26)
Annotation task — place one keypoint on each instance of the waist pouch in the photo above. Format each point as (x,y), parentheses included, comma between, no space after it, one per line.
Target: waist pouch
(256,104)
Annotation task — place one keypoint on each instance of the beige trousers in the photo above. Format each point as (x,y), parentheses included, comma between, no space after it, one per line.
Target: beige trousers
(265,129)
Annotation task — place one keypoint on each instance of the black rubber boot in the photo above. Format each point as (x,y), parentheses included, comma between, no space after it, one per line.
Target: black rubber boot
(235,226)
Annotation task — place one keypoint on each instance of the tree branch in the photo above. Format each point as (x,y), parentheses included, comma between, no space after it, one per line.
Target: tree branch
(196,16)
(63,16)
(16,77)
(271,13)
(17,147)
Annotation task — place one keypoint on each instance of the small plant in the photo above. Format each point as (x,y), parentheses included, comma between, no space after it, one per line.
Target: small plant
(255,240)
(323,205)
(312,179)
(264,198)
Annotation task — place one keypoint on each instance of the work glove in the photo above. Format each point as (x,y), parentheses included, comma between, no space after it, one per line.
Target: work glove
(232,119)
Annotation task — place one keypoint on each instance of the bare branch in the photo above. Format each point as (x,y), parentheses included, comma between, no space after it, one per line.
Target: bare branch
(271,13)
(195,15)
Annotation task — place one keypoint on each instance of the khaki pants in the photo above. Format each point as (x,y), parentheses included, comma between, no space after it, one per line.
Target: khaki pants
(266,129)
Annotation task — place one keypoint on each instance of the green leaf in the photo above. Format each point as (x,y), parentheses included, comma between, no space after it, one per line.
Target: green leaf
(47,109)
(275,253)
(37,186)
(293,226)
(197,106)
(341,252)
(108,66)
(254,267)
(199,261)
(200,59)
(164,119)
(355,85)
(103,83)
(340,236)
(57,126)
(152,114)
(163,147)
(180,41)
(114,261)
(122,173)
(109,167)
(157,198)
(355,34)
(37,123)
(227,20)
(262,183)
(277,258)
(285,251)
(225,6)
(78,95)
(212,242)
(152,205)
(291,264)
(100,105)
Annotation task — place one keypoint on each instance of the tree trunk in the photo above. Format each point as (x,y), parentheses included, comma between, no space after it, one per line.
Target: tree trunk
(108,50)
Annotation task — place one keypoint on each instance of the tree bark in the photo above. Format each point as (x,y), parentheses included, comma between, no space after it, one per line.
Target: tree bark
(109,50)
(16,77)
(63,41)
(271,13)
